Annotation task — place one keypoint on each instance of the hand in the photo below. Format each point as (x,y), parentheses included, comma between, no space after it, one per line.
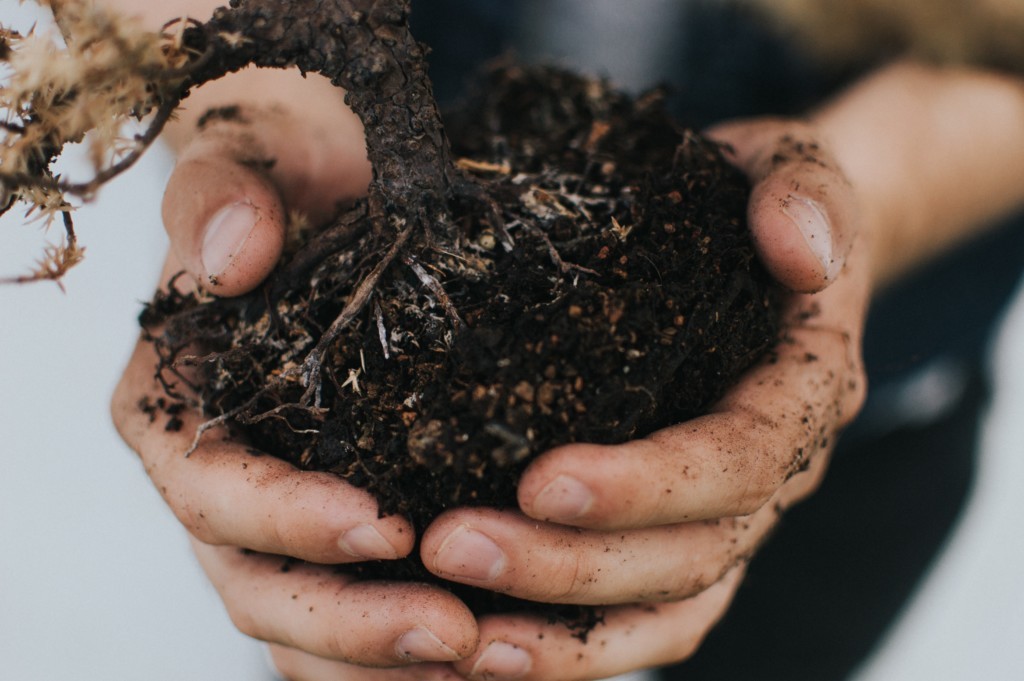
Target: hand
(212,491)
(931,155)
(224,210)
(661,528)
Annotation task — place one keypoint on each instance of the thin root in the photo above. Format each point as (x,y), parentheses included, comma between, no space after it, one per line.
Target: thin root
(312,365)
(435,286)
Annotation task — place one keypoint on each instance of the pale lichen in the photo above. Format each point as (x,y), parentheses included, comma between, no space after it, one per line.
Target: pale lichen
(100,73)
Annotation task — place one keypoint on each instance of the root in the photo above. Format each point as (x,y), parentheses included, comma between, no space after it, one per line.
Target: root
(313,364)
(217,421)
(472,191)
(437,289)
(563,266)
(346,229)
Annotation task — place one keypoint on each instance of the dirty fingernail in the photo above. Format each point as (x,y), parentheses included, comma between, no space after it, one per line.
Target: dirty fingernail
(420,645)
(502,662)
(226,233)
(816,229)
(364,541)
(468,554)
(564,498)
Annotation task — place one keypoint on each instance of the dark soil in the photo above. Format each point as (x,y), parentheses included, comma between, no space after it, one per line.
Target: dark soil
(600,284)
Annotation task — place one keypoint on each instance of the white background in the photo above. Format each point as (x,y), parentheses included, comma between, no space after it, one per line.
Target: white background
(96,580)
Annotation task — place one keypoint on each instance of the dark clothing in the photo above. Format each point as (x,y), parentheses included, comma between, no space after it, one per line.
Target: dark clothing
(823,591)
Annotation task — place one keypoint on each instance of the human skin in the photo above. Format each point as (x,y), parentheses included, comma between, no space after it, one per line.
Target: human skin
(892,182)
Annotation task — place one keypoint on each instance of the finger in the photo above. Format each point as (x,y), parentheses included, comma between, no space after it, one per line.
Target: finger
(631,638)
(314,609)
(802,209)
(731,462)
(226,221)
(226,493)
(296,665)
(509,553)
(225,204)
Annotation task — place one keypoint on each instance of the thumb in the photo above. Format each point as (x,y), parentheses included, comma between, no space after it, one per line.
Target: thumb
(226,221)
(802,211)
(226,203)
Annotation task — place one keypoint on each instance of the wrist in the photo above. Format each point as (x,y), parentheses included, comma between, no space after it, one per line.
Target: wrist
(933,154)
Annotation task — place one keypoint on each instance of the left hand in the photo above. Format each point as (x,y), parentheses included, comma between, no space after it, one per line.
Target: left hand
(662,527)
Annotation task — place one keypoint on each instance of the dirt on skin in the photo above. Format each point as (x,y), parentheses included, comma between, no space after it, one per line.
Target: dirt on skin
(602,285)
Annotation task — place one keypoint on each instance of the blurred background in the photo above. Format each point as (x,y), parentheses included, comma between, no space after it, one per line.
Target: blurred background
(96,578)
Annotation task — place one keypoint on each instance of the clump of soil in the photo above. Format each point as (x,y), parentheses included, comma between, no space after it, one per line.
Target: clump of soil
(601,285)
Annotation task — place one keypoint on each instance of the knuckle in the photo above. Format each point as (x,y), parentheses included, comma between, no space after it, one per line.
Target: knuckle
(681,584)
(569,579)
(193,518)
(275,530)
(734,542)
(371,646)
(758,494)
(755,470)
(119,410)
(243,620)
(333,646)
(761,486)
(696,583)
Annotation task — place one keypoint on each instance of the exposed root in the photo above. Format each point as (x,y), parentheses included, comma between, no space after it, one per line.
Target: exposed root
(224,418)
(437,289)
(472,191)
(556,257)
(313,364)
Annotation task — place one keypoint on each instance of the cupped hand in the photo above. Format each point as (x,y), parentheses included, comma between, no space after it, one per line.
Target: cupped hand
(661,528)
(225,211)
(243,168)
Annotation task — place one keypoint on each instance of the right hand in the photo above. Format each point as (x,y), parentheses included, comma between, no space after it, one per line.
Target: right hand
(224,210)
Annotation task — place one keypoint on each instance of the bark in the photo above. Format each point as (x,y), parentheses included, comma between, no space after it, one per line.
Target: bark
(365,47)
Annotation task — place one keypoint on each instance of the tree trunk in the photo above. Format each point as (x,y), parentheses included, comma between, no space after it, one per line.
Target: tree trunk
(365,47)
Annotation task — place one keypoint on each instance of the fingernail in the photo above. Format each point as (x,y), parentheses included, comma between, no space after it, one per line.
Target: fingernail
(364,541)
(564,498)
(502,662)
(469,554)
(420,645)
(226,233)
(814,224)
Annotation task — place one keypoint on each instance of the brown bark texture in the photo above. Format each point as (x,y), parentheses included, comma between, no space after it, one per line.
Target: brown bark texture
(366,48)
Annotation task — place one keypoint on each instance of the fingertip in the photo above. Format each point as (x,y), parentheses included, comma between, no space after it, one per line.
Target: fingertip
(225,222)
(802,209)
(364,541)
(498,661)
(444,630)
(241,244)
(800,232)
(551,490)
